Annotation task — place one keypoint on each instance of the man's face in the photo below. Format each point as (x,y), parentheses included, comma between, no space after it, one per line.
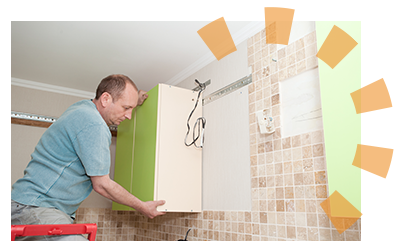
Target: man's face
(122,108)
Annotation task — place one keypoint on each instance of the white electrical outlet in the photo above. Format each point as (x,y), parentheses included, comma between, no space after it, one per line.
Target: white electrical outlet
(265,121)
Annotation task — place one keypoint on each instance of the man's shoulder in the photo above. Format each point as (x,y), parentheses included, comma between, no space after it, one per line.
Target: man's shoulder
(84,109)
(84,113)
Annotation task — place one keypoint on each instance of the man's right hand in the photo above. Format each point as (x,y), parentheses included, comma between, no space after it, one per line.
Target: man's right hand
(150,209)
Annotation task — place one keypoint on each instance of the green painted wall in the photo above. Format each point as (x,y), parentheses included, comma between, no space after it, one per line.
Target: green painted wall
(342,126)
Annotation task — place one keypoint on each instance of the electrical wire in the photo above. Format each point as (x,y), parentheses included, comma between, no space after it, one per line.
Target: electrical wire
(200,122)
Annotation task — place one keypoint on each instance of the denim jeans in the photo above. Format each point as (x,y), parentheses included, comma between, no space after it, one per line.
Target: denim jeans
(25,215)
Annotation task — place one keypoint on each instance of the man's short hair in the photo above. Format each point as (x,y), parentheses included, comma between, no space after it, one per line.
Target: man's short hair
(114,85)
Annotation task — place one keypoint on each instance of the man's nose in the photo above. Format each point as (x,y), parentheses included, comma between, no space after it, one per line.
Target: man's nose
(128,114)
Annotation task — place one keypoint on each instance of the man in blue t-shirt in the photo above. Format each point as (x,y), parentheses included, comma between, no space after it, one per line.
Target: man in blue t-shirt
(73,157)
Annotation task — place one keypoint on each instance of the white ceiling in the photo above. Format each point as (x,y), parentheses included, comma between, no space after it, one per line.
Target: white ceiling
(79,54)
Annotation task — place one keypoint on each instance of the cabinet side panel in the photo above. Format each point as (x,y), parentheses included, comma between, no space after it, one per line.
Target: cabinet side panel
(145,147)
(179,167)
(123,158)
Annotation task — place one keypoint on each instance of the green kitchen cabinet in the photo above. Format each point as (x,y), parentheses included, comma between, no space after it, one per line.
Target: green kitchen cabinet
(151,161)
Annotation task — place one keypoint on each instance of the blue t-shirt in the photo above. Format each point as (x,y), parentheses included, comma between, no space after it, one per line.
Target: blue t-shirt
(71,150)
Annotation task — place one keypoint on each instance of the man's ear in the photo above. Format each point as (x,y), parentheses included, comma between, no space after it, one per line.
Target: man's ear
(105,99)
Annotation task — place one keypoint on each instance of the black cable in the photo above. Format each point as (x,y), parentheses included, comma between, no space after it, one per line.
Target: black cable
(200,122)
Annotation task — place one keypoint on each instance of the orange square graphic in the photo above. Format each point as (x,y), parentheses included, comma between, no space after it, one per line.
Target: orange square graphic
(336,47)
(340,211)
(373,159)
(278,24)
(372,97)
(217,37)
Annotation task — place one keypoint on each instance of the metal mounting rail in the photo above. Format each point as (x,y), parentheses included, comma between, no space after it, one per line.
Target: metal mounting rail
(42,121)
(228,89)
(32,117)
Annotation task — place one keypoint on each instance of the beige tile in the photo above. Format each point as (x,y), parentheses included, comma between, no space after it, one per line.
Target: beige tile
(352,235)
(281,218)
(257,37)
(309,192)
(277,144)
(319,163)
(311,206)
(268,146)
(278,180)
(312,220)
(291,232)
(300,206)
(275,89)
(311,50)
(271,181)
(286,143)
(289,193)
(300,55)
(321,191)
(278,168)
(325,234)
(305,139)
(275,99)
(271,193)
(290,49)
(282,75)
(287,155)
(269,157)
(281,53)
(296,154)
(308,178)
(299,192)
(312,234)
(318,150)
(298,166)
(301,233)
(290,218)
(288,179)
(276,111)
(320,177)
(291,70)
(323,221)
(272,230)
(271,205)
(299,44)
(301,66)
(279,193)
(250,50)
(310,38)
(281,231)
(274,76)
(287,167)
(280,205)
(306,152)
(273,48)
(296,141)
(263,217)
(262,182)
(317,136)
(282,63)
(311,62)
(260,148)
(298,179)
(277,155)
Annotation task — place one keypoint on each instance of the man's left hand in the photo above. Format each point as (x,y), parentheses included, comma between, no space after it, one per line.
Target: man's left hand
(142,96)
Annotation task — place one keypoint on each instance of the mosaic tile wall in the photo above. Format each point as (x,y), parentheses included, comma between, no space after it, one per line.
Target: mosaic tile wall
(288,175)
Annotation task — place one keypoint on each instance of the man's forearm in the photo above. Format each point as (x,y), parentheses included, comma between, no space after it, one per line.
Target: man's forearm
(117,193)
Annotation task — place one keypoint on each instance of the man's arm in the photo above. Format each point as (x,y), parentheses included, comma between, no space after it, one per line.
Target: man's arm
(115,192)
